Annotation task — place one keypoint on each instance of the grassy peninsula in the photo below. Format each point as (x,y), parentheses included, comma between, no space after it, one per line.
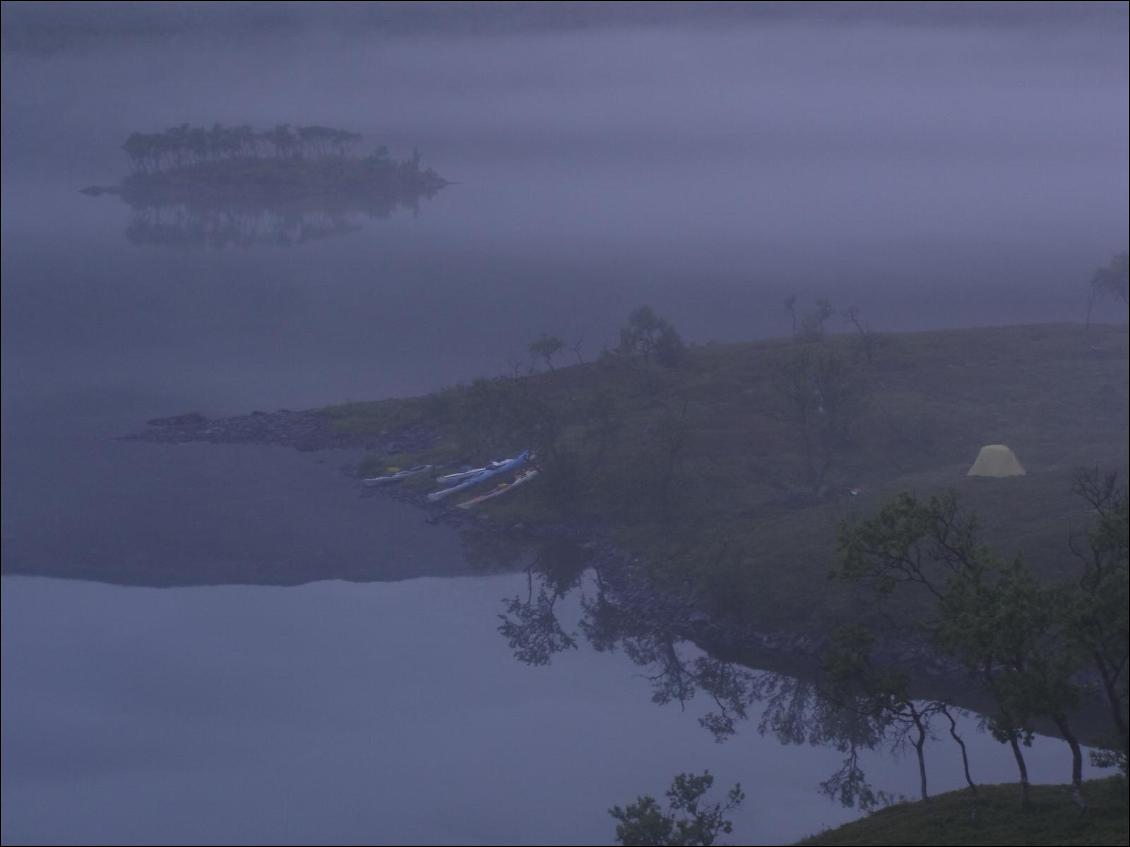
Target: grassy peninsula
(723,475)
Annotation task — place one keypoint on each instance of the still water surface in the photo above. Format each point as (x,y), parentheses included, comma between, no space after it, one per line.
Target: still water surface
(390,712)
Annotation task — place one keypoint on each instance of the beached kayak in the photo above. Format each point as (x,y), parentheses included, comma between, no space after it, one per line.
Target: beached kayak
(498,490)
(459,476)
(486,473)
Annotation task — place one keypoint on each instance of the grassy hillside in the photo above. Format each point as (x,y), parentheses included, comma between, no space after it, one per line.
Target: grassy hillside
(998,819)
(702,468)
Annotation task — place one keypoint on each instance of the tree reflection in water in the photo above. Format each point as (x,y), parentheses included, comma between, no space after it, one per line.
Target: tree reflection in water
(530,624)
(653,634)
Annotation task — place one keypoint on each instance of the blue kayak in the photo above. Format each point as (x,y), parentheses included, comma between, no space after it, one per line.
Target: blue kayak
(459,476)
(486,473)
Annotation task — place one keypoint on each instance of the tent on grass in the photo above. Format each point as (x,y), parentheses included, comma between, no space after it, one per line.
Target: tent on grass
(996,460)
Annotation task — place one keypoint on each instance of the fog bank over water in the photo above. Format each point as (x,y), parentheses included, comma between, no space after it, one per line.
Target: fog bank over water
(934,175)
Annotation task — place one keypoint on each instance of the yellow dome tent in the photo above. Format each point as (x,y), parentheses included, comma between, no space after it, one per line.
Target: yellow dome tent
(996,460)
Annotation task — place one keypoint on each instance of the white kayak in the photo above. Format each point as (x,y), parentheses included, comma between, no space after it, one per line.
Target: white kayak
(459,476)
(498,490)
(483,475)
(397,475)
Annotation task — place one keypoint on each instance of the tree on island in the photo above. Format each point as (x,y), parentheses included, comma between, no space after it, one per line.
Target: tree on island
(185,145)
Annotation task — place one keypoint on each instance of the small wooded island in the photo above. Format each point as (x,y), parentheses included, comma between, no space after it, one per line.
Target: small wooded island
(238,185)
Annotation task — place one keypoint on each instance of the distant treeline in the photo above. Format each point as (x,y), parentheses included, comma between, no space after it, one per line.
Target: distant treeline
(185,145)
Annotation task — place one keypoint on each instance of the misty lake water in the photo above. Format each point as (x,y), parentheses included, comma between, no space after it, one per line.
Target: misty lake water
(934,178)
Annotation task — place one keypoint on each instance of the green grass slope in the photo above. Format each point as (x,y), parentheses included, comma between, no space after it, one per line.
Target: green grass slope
(996,818)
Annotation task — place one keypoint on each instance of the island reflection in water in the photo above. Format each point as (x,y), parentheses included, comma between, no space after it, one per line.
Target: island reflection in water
(228,226)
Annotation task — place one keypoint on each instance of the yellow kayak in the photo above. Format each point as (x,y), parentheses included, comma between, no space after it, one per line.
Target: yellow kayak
(520,479)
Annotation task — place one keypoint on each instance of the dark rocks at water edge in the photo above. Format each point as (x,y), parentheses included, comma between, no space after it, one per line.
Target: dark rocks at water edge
(304,430)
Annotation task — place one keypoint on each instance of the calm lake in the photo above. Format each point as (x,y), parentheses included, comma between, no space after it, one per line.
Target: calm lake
(345,713)
(954,176)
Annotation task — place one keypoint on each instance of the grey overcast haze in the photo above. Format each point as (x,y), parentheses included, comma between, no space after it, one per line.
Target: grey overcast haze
(227,643)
